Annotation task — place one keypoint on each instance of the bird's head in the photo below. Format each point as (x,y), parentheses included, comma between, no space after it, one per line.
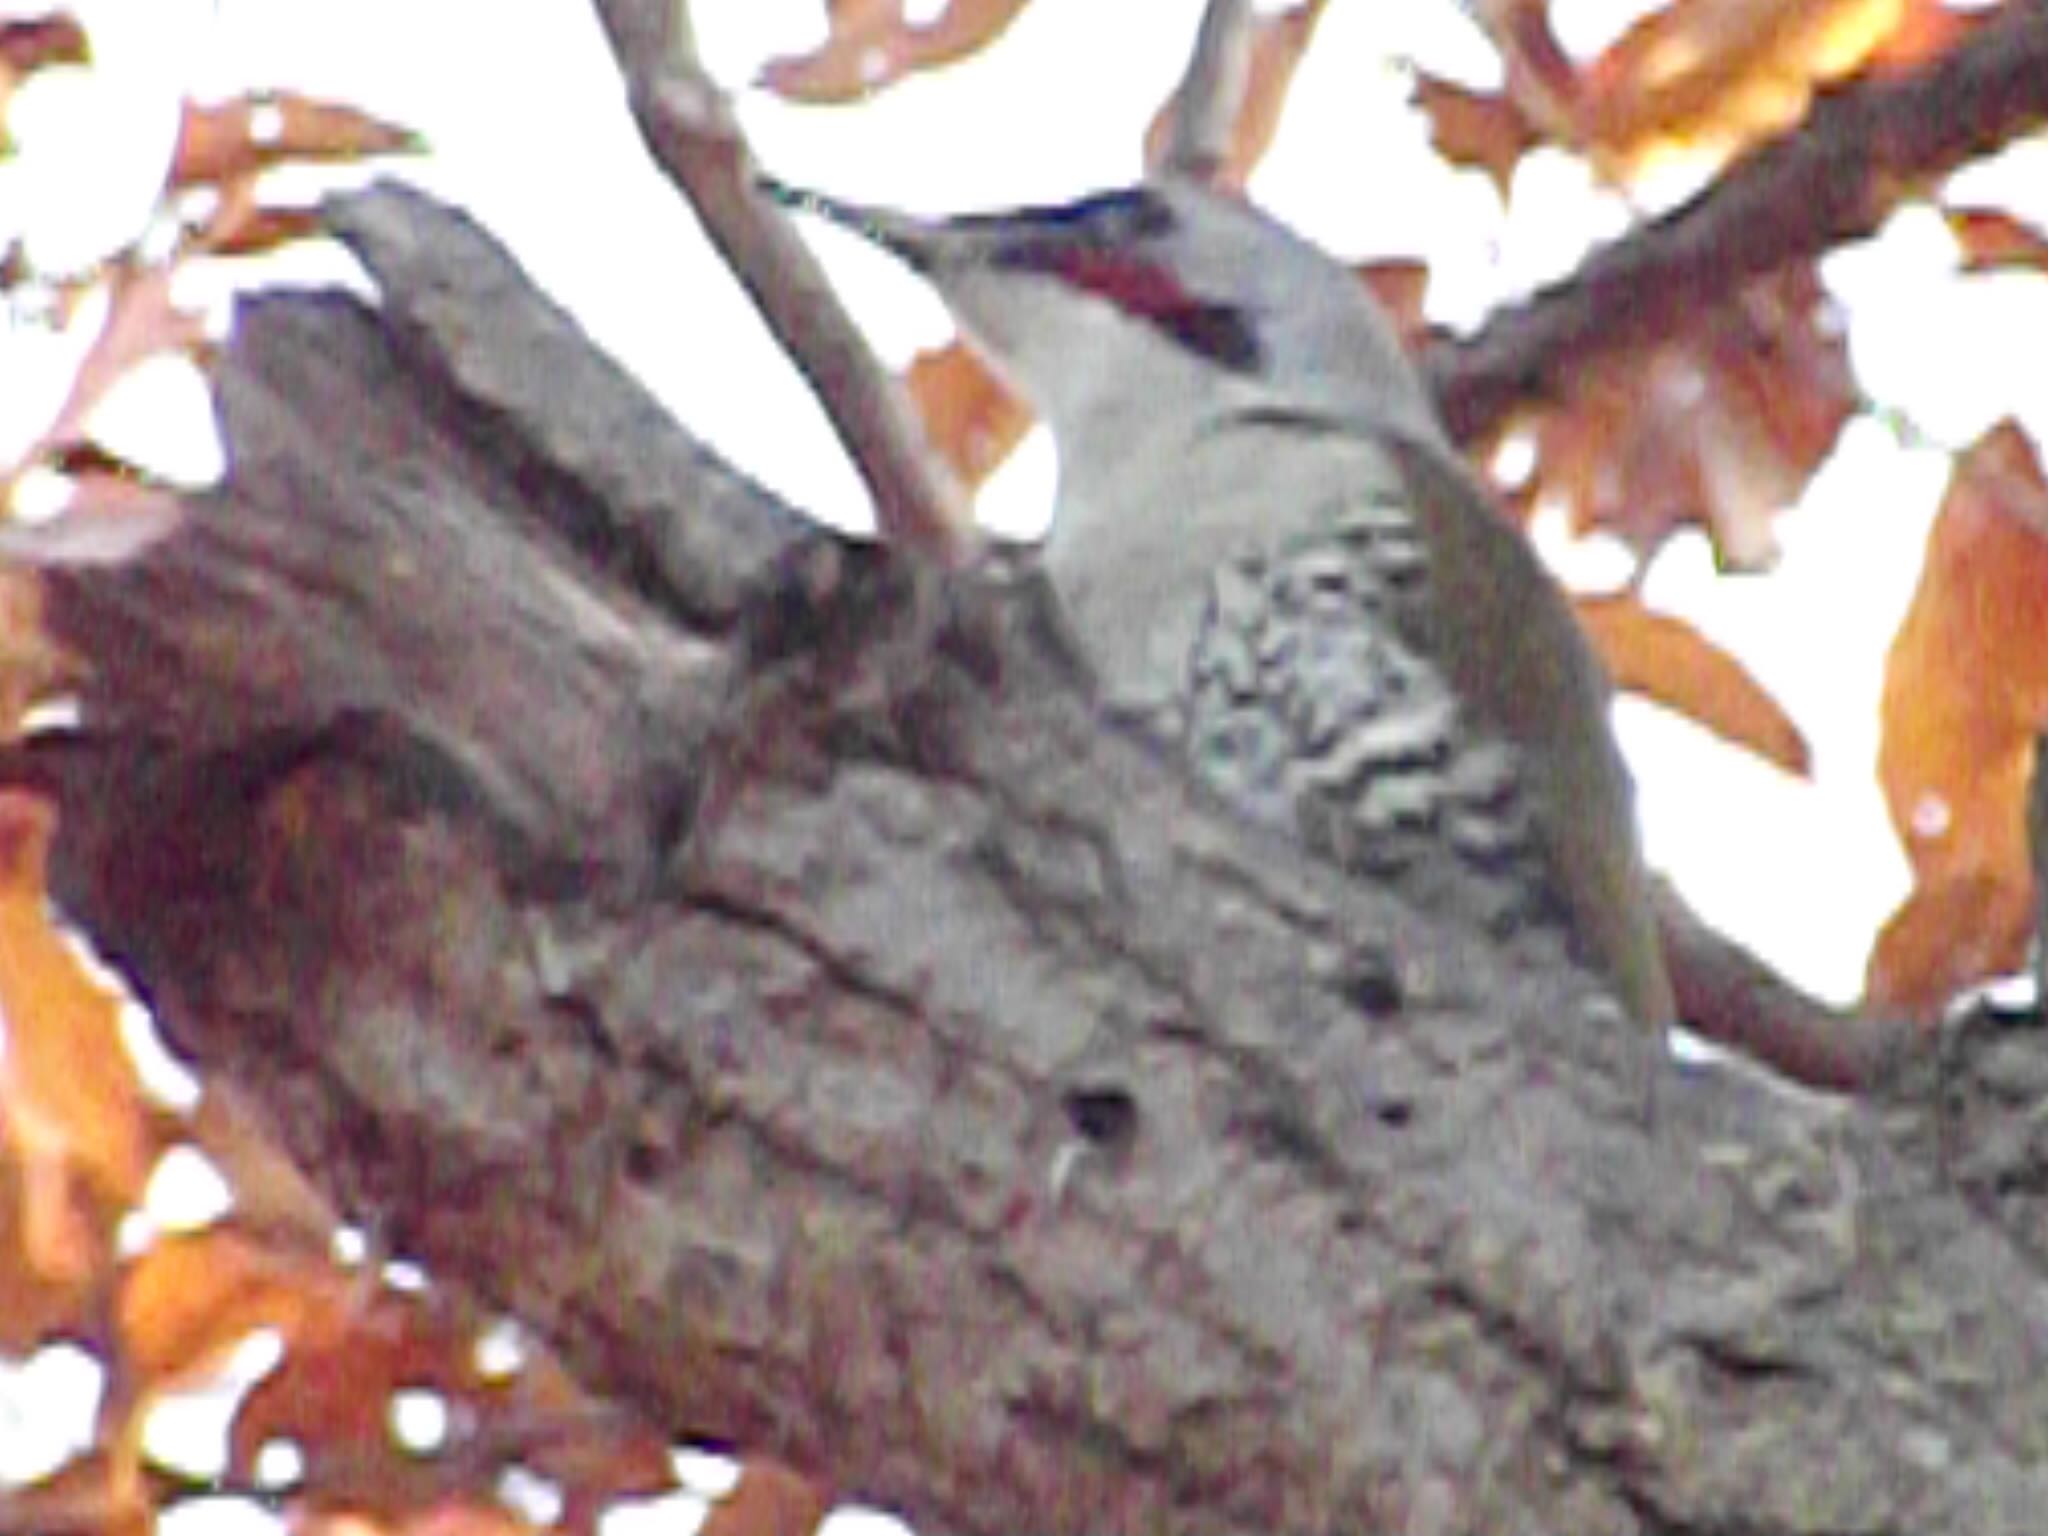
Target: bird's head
(1166,302)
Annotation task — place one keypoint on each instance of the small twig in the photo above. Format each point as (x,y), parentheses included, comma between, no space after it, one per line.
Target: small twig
(1212,91)
(1729,996)
(689,127)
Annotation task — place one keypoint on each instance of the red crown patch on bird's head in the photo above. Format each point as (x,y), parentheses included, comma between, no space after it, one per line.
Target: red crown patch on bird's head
(1111,246)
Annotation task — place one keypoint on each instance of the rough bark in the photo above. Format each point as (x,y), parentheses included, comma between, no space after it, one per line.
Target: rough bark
(751,961)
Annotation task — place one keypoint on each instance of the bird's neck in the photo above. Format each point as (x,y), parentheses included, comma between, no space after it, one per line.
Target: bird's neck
(1149,511)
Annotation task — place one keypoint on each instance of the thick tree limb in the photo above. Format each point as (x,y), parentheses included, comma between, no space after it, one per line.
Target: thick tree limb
(1860,152)
(967,1113)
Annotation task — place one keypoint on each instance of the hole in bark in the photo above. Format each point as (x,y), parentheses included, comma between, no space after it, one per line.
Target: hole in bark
(1372,983)
(643,1161)
(1104,1114)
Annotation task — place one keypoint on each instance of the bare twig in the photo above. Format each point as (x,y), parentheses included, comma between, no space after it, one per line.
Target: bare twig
(689,128)
(1212,91)
(1861,151)
(1729,996)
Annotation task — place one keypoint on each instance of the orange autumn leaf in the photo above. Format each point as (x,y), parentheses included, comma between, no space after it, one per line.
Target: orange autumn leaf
(1697,78)
(190,1298)
(53,1251)
(1953,931)
(353,1345)
(30,44)
(240,224)
(971,416)
(611,1457)
(32,665)
(74,1147)
(1965,690)
(1719,75)
(67,1087)
(1483,130)
(1541,75)
(1667,660)
(451,1517)
(1993,240)
(873,44)
(95,1492)
(217,143)
(1720,424)
(350,1343)
(1492,130)
(1278,41)
(770,1499)
(1928,29)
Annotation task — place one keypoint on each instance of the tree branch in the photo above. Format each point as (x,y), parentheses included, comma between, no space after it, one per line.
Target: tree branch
(1211,92)
(690,130)
(1862,150)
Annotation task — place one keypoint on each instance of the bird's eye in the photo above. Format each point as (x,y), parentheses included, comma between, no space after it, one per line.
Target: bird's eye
(1117,247)
(1217,332)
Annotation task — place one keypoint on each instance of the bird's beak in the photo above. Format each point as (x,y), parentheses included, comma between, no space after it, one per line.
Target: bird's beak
(912,240)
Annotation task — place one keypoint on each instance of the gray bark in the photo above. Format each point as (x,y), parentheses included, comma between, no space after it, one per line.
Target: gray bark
(753,963)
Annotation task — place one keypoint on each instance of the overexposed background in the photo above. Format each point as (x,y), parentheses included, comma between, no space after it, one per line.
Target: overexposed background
(525,116)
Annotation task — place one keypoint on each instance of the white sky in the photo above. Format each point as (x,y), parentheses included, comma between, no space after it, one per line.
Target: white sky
(526,116)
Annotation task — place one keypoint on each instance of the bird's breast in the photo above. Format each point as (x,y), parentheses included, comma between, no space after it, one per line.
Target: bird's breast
(1308,700)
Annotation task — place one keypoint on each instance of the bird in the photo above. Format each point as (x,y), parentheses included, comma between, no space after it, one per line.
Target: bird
(1269,553)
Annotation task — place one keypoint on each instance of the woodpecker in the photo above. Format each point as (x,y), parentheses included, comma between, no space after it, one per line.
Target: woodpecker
(1270,552)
